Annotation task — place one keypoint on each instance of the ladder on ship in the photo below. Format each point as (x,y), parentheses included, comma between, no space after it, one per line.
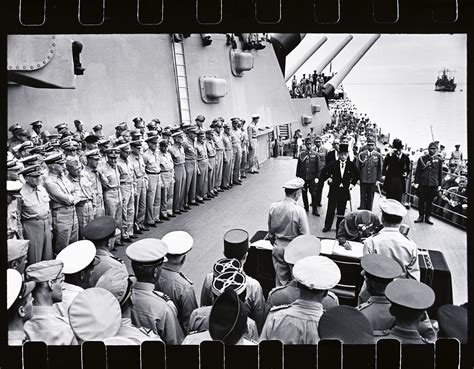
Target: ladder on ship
(284,130)
(181,81)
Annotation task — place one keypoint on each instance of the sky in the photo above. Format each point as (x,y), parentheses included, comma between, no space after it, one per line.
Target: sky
(394,58)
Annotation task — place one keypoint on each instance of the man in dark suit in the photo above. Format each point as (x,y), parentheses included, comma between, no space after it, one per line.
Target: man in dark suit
(307,169)
(395,169)
(342,175)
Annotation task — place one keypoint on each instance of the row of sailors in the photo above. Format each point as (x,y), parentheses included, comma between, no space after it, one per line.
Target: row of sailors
(134,182)
(86,294)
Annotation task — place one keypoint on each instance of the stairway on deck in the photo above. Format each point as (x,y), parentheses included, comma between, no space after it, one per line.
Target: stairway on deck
(246,207)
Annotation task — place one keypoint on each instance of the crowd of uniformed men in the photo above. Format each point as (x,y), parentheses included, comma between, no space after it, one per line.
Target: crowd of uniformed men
(64,286)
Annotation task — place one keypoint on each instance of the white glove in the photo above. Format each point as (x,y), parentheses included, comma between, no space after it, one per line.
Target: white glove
(415,185)
(316,180)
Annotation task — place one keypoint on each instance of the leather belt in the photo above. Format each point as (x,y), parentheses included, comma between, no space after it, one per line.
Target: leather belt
(43,217)
(150,172)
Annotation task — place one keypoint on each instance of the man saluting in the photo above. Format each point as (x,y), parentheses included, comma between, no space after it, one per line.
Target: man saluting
(342,175)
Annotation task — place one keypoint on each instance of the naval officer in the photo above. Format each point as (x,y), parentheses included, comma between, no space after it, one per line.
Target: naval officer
(46,325)
(286,221)
(428,179)
(19,306)
(172,281)
(297,323)
(151,309)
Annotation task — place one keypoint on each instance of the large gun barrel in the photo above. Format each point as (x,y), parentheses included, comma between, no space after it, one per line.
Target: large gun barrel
(283,44)
(335,81)
(303,58)
(323,64)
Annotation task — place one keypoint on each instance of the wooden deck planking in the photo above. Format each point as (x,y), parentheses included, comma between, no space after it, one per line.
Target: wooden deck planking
(246,207)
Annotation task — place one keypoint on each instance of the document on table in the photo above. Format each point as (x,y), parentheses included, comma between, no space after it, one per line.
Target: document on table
(327,246)
(357,250)
(263,244)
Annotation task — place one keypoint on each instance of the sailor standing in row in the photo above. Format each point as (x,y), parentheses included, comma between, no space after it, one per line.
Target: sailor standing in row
(179,162)
(202,168)
(152,169)
(172,281)
(141,184)
(167,179)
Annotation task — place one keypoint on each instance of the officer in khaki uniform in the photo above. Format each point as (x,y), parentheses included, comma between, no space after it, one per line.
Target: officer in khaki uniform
(36,216)
(219,144)
(101,231)
(19,306)
(178,156)
(236,150)
(63,200)
(297,323)
(117,282)
(172,281)
(228,156)
(190,166)
(94,176)
(203,168)
(167,177)
(409,300)
(211,156)
(141,184)
(151,309)
(46,325)
(199,320)
(127,189)
(17,252)
(152,169)
(369,164)
(253,143)
(236,245)
(14,228)
(297,249)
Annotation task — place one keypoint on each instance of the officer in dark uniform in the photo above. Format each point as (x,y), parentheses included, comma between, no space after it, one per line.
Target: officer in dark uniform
(342,175)
(428,179)
(307,169)
(379,271)
(357,226)
(395,169)
(409,299)
(369,164)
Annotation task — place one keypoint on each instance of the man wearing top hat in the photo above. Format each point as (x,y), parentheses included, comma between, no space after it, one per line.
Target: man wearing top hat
(236,246)
(395,169)
(172,281)
(62,194)
(369,164)
(428,180)
(78,259)
(46,325)
(93,174)
(17,252)
(36,216)
(227,322)
(342,175)
(297,323)
(19,306)
(101,231)
(286,221)
(151,308)
(307,169)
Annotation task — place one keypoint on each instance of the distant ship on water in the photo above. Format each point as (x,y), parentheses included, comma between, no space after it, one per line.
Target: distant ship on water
(445,81)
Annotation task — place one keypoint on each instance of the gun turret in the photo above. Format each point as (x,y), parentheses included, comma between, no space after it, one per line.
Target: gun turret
(323,64)
(283,44)
(335,81)
(307,54)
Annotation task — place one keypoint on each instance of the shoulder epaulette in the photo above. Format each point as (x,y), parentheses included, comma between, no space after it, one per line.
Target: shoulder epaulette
(280,307)
(116,258)
(186,278)
(385,332)
(163,295)
(364,305)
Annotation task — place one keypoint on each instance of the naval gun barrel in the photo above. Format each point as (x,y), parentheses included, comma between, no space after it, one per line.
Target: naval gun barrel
(335,81)
(324,63)
(303,58)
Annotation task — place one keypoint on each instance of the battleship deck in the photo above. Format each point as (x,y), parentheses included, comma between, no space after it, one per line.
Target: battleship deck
(246,207)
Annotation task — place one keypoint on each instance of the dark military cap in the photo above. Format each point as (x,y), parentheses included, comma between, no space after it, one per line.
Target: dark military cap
(91,139)
(163,143)
(100,228)
(318,138)
(55,158)
(234,120)
(15,127)
(200,118)
(410,294)
(177,132)
(65,139)
(54,136)
(61,126)
(452,321)
(225,125)
(156,120)
(343,148)
(152,136)
(228,318)
(236,243)
(166,132)
(77,122)
(151,125)
(346,324)
(200,132)
(37,123)
(218,124)
(381,266)
(136,143)
(69,145)
(97,127)
(397,144)
(308,140)
(40,149)
(209,131)
(136,134)
(103,141)
(33,171)
(123,126)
